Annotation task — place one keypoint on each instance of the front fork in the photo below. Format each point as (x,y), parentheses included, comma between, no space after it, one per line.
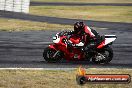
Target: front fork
(52,46)
(57,53)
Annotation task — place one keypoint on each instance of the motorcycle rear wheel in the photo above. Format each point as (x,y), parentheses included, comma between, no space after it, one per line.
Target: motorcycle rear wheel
(48,55)
(107,55)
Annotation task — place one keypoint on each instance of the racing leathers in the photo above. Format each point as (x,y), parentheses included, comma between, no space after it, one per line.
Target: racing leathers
(88,38)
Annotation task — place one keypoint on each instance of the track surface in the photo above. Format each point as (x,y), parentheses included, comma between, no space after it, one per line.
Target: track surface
(24,49)
(66,21)
(77,4)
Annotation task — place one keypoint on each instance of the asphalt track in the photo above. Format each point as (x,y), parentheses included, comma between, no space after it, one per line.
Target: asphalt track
(24,49)
(65,21)
(77,4)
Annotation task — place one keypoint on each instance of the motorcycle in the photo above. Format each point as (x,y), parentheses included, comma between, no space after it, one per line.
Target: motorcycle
(59,50)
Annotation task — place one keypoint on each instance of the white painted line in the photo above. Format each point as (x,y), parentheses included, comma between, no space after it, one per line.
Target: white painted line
(37,68)
(41,42)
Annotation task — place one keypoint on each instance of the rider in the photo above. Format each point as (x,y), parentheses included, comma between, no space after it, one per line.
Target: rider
(86,34)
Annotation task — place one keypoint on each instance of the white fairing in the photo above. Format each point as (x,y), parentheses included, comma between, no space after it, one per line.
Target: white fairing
(56,38)
(109,39)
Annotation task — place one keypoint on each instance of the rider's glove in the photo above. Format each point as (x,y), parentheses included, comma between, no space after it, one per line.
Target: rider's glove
(69,44)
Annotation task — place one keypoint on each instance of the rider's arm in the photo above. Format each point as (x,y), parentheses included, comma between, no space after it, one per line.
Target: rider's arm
(89,32)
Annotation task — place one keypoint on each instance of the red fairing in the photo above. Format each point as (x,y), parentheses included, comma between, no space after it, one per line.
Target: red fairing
(101,45)
(75,39)
(68,53)
(52,47)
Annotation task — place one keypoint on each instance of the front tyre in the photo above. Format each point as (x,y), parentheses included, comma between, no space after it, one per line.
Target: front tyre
(48,55)
(103,56)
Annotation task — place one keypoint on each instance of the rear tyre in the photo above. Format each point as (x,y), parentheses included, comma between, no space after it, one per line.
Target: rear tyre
(48,55)
(103,56)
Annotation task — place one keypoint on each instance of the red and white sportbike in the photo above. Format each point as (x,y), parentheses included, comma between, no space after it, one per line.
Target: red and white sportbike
(58,50)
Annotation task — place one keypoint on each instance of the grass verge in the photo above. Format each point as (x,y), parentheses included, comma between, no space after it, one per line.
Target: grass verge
(54,79)
(97,13)
(22,25)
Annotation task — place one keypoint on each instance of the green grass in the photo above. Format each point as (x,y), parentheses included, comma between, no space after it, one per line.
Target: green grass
(97,13)
(54,79)
(87,1)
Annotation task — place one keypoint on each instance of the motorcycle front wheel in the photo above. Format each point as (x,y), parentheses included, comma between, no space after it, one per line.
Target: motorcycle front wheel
(103,56)
(48,55)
